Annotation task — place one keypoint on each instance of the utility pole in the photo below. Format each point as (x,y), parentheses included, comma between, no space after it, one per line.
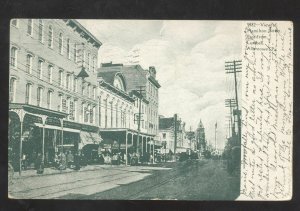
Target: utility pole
(175,133)
(216,136)
(235,67)
(231,103)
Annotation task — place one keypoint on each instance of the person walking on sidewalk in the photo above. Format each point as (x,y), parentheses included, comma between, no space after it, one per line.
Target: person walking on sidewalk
(77,161)
(39,164)
(63,161)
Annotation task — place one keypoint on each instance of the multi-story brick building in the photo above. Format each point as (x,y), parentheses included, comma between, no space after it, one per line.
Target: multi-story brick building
(53,88)
(122,104)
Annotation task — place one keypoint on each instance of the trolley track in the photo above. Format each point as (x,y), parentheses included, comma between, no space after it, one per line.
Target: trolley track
(48,187)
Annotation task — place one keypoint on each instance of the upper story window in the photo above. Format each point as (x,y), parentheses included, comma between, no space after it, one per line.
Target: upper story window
(49,99)
(60,43)
(50,72)
(83,88)
(118,83)
(89,90)
(60,78)
(75,53)
(39,96)
(29,63)
(83,57)
(13,56)
(12,90)
(40,69)
(94,64)
(71,110)
(14,22)
(68,81)
(28,93)
(88,61)
(30,27)
(94,93)
(68,49)
(50,37)
(41,31)
(75,85)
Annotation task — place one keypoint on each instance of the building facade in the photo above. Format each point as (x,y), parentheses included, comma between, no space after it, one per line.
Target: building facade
(125,91)
(185,140)
(53,88)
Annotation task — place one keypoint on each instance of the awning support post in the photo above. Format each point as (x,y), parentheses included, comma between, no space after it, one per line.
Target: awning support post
(43,139)
(126,145)
(21,145)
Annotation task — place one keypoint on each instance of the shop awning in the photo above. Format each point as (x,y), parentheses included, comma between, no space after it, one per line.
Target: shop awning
(89,138)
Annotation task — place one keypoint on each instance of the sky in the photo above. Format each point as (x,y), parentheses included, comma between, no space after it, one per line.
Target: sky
(189,57)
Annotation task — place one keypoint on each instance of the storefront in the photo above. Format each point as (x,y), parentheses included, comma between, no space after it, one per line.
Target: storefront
(33,131)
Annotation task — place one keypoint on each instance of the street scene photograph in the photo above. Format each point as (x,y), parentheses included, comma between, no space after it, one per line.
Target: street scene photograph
(124,109)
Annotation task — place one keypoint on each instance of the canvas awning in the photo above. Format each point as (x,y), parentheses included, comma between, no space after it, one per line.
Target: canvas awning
(90,138)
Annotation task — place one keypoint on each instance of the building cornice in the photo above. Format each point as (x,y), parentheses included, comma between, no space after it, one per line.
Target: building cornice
(116,91)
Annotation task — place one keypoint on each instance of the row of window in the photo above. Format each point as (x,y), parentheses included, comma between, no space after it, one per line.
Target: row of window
(118,118)
(66,105)
(79,54)
(71,82)
(152,90)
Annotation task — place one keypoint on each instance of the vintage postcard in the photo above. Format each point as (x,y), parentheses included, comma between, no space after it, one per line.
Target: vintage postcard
(150,109)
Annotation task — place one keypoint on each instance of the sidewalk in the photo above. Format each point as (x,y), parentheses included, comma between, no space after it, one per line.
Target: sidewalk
(53,171)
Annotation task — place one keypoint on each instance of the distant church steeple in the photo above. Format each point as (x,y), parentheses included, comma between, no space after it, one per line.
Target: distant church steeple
(200,137)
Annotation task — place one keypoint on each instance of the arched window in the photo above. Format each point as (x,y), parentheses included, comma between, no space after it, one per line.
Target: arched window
(28,93)
(39,96)
(41,30)
(13,56)
(118,83)
(49,99)
(29,26)
(60,43)
(29,63)
(68,49)
(50,37)
(40,69)
(50,72)
(12,90)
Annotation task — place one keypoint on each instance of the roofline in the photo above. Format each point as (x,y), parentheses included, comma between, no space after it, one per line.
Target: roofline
(154,81)
(121,93)
(85,30)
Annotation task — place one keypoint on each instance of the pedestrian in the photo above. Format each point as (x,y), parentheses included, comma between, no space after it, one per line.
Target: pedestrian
(77,161)
(70,159)
(39,164)
(63,161)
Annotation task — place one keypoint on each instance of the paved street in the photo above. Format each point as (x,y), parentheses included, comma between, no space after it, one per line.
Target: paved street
(189,180)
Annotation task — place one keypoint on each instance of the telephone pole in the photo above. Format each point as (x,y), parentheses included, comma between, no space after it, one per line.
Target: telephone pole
(216,136)
(231,103)
(235,67)
(175,133)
